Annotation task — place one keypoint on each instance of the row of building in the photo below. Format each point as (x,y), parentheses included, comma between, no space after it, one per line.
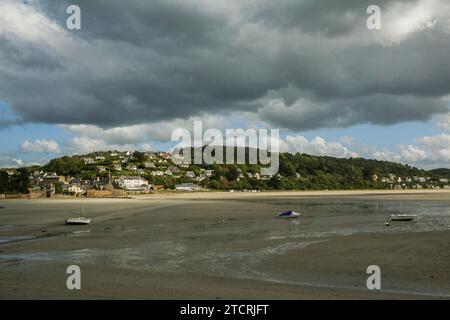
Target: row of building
(395,182)
(44,182)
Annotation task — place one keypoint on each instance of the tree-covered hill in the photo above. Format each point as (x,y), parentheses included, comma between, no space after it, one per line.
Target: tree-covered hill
(296,172)
(441,172)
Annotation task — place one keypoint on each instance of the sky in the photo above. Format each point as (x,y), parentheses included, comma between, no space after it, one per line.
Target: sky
(137,70)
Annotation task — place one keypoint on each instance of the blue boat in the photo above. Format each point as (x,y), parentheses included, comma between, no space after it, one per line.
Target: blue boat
(288,214)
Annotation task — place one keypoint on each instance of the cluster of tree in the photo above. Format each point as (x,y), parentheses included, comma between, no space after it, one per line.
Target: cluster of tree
(65,166)
(18,183)
(440,173)
(306,172)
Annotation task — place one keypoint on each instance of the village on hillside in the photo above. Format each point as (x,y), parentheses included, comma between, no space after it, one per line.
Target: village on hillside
(121,173)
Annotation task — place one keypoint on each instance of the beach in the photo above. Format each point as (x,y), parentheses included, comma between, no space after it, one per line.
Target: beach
(228,246)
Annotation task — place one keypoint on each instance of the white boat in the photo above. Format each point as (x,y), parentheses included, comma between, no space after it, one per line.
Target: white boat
(288,214)
(402,217)
(80,219)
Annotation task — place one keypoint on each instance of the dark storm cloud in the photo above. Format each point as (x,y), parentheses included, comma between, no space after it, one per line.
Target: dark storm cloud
(22,55)
(154,23)
(418,66)
(146,61)
(327,17)
(379,109)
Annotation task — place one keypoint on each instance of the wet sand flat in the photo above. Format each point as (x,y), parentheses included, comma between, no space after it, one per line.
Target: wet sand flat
(228,246)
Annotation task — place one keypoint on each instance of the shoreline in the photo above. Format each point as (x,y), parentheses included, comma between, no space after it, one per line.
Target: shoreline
(225,194)
(240,194)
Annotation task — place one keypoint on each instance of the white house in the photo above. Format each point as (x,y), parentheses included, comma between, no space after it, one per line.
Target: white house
(132,167)
(190,174)
(88,160)
(133,183)
(157,173)
(165,155)
(209,173)
(75,189)
(200,178)
(188,187)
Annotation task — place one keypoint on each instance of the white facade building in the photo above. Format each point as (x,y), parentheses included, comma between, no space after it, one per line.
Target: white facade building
(88,160)
(75,189)
(188,187)
(190,174)
(133,183)
(209,173)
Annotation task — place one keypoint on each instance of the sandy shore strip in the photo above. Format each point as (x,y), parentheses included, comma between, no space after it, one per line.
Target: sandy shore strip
(330,193)
(438,193)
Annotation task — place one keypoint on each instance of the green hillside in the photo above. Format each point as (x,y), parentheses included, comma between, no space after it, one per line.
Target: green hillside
(296,172)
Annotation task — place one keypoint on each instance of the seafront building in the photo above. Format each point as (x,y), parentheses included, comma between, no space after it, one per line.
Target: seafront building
(188,187)
(133,183)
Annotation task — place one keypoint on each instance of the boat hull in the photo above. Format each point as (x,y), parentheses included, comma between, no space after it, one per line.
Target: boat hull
(402,217)
(288,216)
(78,221)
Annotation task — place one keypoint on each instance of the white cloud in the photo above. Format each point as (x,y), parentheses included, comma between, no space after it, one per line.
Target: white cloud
(160,131)
(443,122)
(18,162)
(347,140)
(47,146)
(7,161)
(401,20)
(428,152)
(425,152)
(84,145)
(318,146)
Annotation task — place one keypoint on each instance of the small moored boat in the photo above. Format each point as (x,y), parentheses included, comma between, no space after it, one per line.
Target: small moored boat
(78,220)
(288,214)
(402,217)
